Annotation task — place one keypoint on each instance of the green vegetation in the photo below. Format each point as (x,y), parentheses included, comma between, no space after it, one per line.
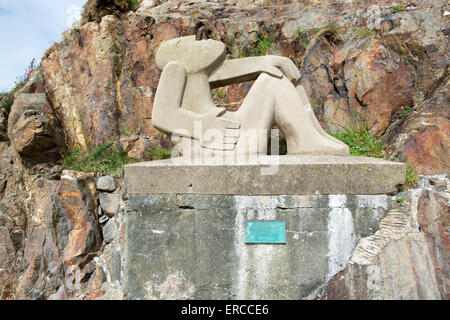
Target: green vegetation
(300,33)
(332,32)
(104,159)
(331,28)
(400,200)
(263,45)
(219,95)
(282,146)
(398,8)
(133,4)
(157,152)
(411,177)
(125,132)
(364,33)
(361,141)
(18,84)
(219,92)
(405,111)
(9,100)
(129,4)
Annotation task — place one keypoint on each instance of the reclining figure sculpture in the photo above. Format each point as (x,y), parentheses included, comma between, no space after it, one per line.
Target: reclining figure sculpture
(191,68)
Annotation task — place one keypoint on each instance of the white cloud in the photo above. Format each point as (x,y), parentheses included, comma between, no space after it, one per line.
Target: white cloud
(27,29)
(74,15)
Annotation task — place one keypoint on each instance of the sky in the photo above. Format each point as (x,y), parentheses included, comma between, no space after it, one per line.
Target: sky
(27,29)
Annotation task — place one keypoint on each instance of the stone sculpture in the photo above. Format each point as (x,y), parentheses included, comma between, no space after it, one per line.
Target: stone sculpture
(191,68)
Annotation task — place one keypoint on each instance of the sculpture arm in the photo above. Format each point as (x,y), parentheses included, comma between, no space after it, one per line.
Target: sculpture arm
(169,117)
(246,69)
(167,114)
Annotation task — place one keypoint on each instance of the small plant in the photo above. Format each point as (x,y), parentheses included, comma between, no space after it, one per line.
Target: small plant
(74,30)
(157,152)
(331,32)
(8,97)
(400,200)
(329,28)
(397,8)
(263,45)
(104,159)
(364,33)
(305,42)
(301,33)
(126,132)
(133,4)
(411,177)
(220,93)
(361,141)
(404,111)
(282,146)
(219,96)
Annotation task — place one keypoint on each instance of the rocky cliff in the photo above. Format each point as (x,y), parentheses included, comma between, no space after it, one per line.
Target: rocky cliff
(361,62)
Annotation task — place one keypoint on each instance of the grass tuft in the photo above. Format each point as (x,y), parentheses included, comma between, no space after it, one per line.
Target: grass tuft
(361,141)
(133,4)
(405,111)
(159,153)
(397,8)
(263,45)
(20,82)
(104,159)
(365,33)
(411,177)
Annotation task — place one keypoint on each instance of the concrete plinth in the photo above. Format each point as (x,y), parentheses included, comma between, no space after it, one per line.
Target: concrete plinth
(193,246)
(186,224)
(266,175)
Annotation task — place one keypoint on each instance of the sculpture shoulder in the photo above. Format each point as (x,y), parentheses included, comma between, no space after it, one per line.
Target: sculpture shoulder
(174,70)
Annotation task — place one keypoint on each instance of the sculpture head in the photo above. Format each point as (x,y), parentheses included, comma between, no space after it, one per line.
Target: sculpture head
(195,55)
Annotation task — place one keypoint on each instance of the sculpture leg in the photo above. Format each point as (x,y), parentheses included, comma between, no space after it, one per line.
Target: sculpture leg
(304,135)
(256,116)
(305,102)
(273,100)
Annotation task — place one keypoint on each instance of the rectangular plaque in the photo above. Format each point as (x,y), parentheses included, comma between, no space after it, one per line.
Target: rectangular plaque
(265,232)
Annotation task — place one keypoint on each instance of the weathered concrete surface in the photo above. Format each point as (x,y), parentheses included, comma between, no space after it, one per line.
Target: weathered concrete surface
(193,246)
(266,175)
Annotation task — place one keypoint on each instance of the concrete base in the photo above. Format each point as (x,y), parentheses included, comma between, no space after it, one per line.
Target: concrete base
(193,246)
(266,175)
(186,224)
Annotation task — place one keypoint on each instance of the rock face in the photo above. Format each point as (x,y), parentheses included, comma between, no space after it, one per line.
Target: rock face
(358,63)
(33,128)
(51,243)
(3,122)
(407,258)
(423,138)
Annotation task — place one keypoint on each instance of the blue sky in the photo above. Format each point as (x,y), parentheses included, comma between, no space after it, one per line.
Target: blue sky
(27,29)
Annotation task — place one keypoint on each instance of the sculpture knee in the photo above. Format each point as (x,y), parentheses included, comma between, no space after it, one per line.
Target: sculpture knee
(268,82)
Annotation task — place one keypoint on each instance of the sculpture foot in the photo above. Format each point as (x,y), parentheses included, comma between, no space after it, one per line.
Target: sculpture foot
(332,148)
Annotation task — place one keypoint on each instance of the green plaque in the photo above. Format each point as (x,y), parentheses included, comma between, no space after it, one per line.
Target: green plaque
(265,232)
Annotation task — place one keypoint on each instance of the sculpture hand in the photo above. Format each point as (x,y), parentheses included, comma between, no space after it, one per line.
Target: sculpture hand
(286,65)
(219,133)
